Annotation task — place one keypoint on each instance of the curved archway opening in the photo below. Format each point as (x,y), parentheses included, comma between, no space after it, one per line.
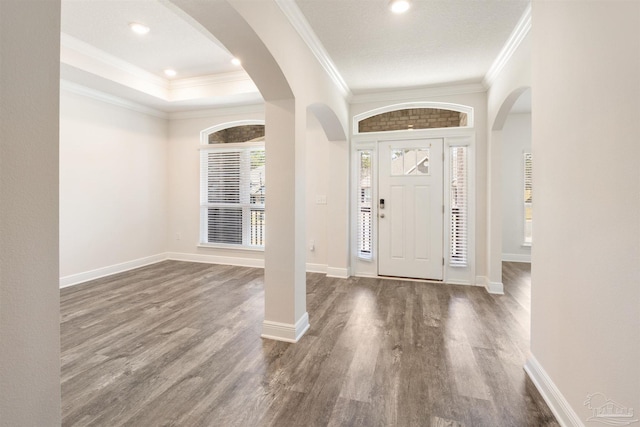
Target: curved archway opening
(508,105)
(328,173)
(329,121)
(509,211)
(286,318)
(230,28)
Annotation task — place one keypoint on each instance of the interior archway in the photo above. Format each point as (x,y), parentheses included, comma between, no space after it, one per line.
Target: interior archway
(507,106)
(329,121)
(495,214)
(286,318)
(337,217)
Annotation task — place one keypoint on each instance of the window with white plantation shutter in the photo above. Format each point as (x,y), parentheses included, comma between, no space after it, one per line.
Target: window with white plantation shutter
(459,206)
(232,186)
(365,220)
(528,198)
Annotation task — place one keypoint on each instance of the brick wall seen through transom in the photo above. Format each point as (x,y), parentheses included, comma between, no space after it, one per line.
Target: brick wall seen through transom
(413,118)
(237,134)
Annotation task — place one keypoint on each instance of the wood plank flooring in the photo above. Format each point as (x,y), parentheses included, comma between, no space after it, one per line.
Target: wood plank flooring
(178,344)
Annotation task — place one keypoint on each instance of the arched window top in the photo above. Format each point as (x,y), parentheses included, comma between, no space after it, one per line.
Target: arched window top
(413,116)
(233,132)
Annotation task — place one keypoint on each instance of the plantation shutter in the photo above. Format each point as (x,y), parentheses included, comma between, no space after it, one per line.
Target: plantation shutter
(459,229)
(365,219)
(232,196)
(528,198)
(528,178)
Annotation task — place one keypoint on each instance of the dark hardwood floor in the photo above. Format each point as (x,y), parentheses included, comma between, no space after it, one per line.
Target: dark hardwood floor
(178,344)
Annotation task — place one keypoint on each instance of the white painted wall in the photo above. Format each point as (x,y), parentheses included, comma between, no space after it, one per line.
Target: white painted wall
(318,172)
(184,183)
(516,140)
(113,185)
(183,171)
(138,177)
(29,294)
(585,320)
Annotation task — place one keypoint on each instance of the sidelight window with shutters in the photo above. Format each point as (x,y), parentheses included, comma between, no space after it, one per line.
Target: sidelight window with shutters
(528,199)
(365,219)
(458,223)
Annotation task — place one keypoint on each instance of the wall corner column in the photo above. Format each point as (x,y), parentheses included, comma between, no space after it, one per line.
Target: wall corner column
(286,318)
(494,215)
(29,223)
(338,211)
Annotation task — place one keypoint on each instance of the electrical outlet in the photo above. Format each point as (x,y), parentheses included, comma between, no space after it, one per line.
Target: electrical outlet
(178,236)
(312,245)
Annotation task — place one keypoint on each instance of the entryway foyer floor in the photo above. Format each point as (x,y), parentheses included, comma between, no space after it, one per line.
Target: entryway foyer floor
(178,344)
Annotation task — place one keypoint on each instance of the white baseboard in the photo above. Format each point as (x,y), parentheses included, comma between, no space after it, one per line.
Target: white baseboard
(496,288)
(367,275)
(482,281)
(251,262)
(216,259)
(340,273)
(285,331)
(516,257)
(76,279)
(562,410)
(316,268)
(460,282)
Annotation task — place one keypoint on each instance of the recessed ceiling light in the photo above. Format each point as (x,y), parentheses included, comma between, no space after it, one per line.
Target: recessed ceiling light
(170,72)
(138,28)
(400,6)
(236,62)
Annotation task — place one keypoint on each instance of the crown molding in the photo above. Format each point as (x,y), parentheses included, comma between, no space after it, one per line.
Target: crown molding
(100,56)
(417,94)
(88,58)
(110,99)
(192,82)
(302,27)
(513,42)
(218,112)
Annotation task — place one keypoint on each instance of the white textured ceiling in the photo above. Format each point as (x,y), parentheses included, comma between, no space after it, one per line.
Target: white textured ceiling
(171,43)
(437,42)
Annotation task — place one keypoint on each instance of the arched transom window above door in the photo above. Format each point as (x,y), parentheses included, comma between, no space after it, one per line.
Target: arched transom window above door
(413,116)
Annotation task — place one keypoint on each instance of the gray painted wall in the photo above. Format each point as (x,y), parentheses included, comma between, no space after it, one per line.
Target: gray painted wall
(29,295)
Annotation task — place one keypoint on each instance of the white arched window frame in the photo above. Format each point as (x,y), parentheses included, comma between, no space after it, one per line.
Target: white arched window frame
(204,134)
(409,105)
(231,204)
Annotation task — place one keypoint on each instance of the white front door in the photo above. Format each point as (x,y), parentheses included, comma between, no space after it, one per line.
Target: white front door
(410,209)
